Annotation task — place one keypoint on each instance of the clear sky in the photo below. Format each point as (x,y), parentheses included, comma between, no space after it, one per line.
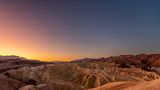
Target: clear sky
(72,29)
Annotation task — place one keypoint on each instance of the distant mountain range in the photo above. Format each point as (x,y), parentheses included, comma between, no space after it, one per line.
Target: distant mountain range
(11,57)
(141,60)
(124,72)
(83,60)
(13,62)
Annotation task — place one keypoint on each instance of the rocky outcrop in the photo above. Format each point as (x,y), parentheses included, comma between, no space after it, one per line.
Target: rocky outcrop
(146,85)
(72,75)
(98,74)
(7,83)
(28,87)
(33,87)
(15,62)
(143,61)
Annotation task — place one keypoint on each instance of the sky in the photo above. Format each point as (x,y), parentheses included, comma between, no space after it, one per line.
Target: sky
(72,29)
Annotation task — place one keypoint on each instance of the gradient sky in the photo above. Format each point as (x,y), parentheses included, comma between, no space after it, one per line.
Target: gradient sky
(72,29)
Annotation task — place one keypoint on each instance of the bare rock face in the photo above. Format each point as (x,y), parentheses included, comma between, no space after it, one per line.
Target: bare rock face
(52,75)
(124,71)
(42,87)
(74,77)
(28,87)
(145,85)
(15,62)
(7,83)
(54,85)
(142,60)
(63,85)
(33,87)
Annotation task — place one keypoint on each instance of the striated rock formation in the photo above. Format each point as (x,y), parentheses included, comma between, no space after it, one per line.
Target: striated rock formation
(146,85)
(114,73)
(7,83)
(143,61)
(14,62)
(33,87)
(72,75)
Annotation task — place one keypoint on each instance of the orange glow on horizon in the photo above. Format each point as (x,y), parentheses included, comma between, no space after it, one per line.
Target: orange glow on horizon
(15,39)
(23,35)
(33,56)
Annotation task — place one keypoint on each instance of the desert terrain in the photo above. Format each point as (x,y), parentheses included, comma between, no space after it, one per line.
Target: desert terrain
(124,72)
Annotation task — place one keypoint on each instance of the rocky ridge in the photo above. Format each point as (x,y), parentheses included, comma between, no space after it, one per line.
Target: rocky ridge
(122,72)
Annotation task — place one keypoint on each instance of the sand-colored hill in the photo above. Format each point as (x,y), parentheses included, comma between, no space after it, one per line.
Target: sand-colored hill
(8,83)
(145,85)
(141,60)
(72,75)
(114,73)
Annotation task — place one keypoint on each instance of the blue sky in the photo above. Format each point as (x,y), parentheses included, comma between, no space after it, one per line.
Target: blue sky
(87,28)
